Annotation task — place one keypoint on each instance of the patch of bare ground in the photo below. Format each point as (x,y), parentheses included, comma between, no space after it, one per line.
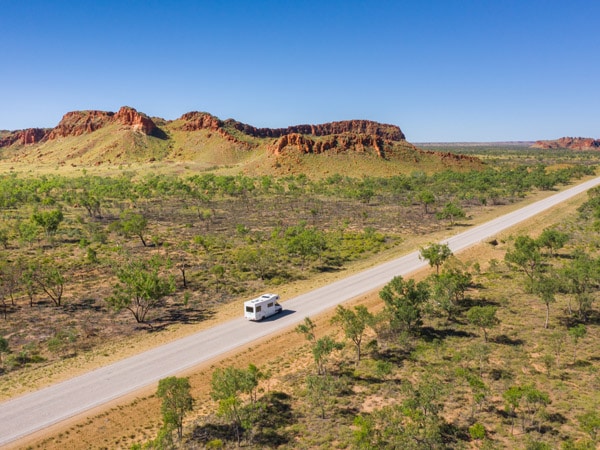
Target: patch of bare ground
(136,418)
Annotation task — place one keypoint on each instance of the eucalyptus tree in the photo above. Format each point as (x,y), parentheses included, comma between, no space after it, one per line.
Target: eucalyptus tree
(553,240)
(48,220)
(229,386)
(131,223)
(177,401)
(451,211)
(404,303)
(141,287)
(435,254)
(51,280)
(354,324)
(321,348)
(546,287)
(483,317)
(526,257)
(580,278)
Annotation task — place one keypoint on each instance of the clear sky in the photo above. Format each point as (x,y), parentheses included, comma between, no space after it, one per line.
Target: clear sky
(442,70)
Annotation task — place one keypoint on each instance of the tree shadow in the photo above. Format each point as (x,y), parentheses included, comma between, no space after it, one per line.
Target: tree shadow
(503,339)
(86,304)
(185,315)
(469,302)
(275,416)
(430,334)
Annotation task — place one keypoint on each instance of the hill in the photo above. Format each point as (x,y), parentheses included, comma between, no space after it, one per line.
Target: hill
(573,143)
(351,147)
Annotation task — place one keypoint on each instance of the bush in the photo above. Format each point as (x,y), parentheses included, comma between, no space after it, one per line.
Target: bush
(477,431)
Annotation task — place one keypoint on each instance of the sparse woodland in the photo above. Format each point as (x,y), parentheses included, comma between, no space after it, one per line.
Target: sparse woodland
(495,355)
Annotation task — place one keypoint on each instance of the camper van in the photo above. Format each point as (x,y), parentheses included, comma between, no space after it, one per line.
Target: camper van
(264,306)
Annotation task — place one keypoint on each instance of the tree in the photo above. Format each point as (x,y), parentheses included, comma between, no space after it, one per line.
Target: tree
(10,278)
(580,277)
(307,329)
(132,223)
(435,255)
(556,340)
(227,387)
(546,288)
(483,317)
(27,232)
(320,391)
(4,347)
(140,288)
(90,202)
(321,348)
(553,240)
(48,220)
(218,271)
(448,289)
(50,279)
(176,402)
(404,302)
(526,401)
(577,332)
(452,212)
(305,242)
(427,198)
(354,324)
(526,256)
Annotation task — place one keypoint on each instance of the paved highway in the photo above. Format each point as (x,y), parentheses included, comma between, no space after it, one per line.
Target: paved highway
(32,412)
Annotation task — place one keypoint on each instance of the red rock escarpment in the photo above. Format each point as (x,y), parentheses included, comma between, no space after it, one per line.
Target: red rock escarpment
(24,137)
(577,143)
(385,131)
(76,123)
(338,143)
(194,121)
(341,136)
(136,120)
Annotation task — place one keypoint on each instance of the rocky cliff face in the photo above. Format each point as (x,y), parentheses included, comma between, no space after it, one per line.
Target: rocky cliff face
(577,143)
(336,136)
(77,123)
(24,137)
(194,121)
(137,121)
(336,143)
(390,132)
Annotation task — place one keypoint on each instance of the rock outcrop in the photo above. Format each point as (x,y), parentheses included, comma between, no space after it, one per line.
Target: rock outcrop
(194,121)
(76,123)
(24,137)
(385,131)
(336,143)
(136,120)
(573,143)
(336,136)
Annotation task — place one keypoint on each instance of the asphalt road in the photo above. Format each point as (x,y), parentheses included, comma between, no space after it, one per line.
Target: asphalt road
(32,412)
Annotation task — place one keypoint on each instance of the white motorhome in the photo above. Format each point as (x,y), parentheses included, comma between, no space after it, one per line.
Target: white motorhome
(264,306)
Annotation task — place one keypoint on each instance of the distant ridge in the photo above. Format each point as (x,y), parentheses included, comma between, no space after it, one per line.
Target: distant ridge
(572,143)
(352,147)
(476,144)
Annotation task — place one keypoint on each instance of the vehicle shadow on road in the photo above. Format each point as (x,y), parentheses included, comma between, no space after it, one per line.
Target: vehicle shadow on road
(284,313)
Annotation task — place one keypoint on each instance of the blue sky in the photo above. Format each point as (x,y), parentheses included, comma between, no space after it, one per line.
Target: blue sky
(442,70)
